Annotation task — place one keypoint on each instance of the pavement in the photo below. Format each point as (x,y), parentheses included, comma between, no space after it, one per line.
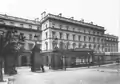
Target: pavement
(68,76)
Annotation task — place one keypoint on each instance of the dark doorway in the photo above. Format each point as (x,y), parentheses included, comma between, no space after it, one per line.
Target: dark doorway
(24,61)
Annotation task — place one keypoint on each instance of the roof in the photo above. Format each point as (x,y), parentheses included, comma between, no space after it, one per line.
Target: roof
(4,16)
(82,23)
(110,36)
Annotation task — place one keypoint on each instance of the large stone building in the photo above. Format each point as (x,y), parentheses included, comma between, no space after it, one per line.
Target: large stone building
(71,33)
(28,27)
(67,33)
(111,43)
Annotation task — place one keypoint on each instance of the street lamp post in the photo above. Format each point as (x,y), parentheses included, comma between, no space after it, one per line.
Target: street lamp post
(88,59)
(64,62)
(36,39)
(35,65)
(32,56)
(99,58)
(1,59)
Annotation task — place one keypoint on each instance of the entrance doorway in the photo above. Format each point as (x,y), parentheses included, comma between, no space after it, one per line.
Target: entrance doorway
(24,61)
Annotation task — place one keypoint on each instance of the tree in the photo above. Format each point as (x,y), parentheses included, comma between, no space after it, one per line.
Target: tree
(11,43)
(1,58)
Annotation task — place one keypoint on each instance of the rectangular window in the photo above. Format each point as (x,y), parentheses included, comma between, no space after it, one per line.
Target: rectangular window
(84,31)
(60,35)
(67,27)
(89,32)
(67,36)
(97,33)
(30,26)
(89,39)
(38,27)
(84,38)
(46,35)
(21,25)
(46,26)
(30,36)
(53,34)
(73,37)
(94,32)
(93,39)
(60,26)
(73,29)
(79,37)
(98,39)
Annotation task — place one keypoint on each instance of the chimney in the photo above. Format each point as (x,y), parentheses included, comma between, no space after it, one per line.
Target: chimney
(36,19)
(82,20)
(43,14)
(91,22)
(60,14)
(72,18)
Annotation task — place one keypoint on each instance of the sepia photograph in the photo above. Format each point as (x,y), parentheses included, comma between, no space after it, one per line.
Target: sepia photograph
(59,42)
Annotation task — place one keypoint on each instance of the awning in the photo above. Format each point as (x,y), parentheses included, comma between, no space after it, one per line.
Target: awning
(71,52)
(99,54)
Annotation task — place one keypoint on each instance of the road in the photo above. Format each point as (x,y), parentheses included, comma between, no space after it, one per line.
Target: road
(102,75)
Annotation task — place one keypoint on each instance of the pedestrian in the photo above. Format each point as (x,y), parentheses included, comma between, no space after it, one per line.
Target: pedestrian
(43,70)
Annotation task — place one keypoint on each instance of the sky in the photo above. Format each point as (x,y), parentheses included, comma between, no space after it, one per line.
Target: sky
(105,13)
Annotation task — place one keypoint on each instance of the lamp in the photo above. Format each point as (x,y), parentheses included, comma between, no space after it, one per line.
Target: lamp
(36,38)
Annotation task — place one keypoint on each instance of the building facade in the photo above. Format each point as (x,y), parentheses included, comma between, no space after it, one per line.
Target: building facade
(29,28)
(111,43)
(71,34)
(53,30)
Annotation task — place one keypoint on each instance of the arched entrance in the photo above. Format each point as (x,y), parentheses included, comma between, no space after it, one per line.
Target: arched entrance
(24,61)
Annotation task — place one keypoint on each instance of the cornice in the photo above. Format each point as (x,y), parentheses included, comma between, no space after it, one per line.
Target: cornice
(56,17)
(17,19)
